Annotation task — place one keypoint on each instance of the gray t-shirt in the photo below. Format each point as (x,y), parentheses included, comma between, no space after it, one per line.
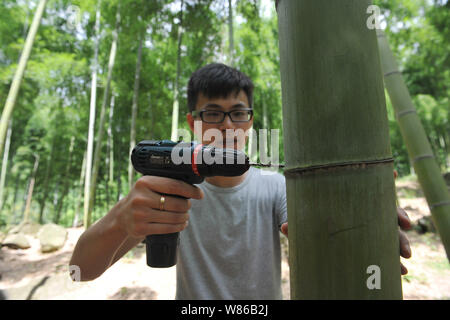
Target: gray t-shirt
(231,247)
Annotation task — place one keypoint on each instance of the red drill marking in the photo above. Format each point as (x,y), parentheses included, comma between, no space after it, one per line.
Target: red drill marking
(194,158)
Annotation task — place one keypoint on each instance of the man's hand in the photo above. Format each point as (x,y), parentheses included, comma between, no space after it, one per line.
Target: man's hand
(405,249)
(405,224)
(140,213)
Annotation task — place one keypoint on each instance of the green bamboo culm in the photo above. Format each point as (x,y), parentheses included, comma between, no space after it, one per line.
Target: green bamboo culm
(18,75)
(417,144)
(343,231)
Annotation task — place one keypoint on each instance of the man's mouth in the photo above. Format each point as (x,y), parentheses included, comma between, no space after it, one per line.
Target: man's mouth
(230,142)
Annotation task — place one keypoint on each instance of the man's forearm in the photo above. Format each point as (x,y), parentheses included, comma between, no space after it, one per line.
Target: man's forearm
(97,246)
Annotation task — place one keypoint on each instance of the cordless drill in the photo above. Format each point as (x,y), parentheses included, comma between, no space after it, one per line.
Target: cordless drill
(186,161)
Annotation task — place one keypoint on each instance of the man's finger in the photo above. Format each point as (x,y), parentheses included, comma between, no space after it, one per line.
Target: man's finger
(403,269)
(403,220)
(405,249)
(284,229)
(170,186)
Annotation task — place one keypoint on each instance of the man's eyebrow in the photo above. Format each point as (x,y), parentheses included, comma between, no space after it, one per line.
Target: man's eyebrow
(215,105)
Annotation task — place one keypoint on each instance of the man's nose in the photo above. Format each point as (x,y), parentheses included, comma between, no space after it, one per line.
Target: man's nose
(227,123)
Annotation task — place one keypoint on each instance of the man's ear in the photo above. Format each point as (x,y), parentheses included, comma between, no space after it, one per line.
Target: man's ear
(190,120)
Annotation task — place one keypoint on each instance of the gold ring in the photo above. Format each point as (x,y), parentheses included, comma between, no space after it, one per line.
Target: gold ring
(161,203)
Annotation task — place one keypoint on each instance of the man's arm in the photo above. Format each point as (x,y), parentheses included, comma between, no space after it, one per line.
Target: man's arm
(126,246)
(98,245)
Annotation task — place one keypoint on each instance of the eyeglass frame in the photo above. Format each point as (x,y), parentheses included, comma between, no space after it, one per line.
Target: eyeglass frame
(225,113)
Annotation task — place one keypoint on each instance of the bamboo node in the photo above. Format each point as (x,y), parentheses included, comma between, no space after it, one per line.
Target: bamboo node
(387,74)
(423,156)
(439,204)
(405,112)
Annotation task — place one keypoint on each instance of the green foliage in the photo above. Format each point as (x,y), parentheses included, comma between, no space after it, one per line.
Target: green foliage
(257,56)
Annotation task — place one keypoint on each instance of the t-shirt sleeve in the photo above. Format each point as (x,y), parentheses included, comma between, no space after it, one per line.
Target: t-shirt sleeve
(280,202)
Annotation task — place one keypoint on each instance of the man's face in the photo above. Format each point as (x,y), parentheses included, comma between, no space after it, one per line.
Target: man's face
(216,133)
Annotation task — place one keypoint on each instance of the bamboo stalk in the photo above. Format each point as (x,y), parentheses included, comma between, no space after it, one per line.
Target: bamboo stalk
(26,214)
(66,183)
(230,34)
(176,99)
(417,144)
(343,230)
(5,164)
(90,145)
(134,110)
(100,130)
(18,76)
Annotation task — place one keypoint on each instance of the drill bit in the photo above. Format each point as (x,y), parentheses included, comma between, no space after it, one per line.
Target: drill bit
(269,165)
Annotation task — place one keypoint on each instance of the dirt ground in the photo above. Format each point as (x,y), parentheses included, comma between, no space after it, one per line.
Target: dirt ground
(29,274)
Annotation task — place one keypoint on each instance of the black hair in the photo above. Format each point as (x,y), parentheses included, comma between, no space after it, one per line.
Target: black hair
(218,80)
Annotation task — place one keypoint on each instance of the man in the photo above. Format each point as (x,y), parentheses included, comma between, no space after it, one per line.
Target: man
(231,248)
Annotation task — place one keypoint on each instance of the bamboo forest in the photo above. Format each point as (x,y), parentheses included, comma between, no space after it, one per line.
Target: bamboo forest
(355,96)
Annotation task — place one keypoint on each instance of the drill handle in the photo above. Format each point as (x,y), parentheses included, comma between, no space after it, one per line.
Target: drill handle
(161,249)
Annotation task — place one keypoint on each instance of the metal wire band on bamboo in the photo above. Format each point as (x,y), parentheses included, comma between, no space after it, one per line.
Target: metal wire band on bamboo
(297,171)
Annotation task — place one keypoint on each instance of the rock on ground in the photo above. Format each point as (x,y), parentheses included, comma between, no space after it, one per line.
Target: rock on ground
(52,237)
(16,241)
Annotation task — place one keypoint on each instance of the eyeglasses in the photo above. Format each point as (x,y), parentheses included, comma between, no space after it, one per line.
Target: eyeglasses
(217,116)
